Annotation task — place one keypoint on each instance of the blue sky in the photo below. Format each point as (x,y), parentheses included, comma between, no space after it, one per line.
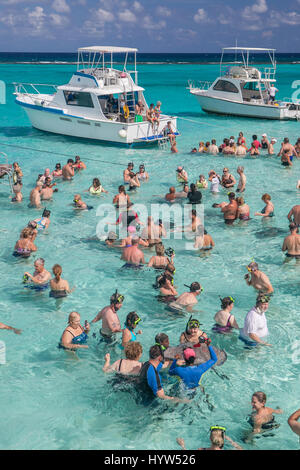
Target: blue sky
(149,25)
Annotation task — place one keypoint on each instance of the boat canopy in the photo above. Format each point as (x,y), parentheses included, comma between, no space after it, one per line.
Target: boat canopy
(244,53)
(107,49)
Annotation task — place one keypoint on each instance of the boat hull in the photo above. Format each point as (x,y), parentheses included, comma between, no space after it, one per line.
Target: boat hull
(210,104)
(107,131)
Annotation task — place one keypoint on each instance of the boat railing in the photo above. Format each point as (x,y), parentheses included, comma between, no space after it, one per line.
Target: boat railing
(291,100)
(199,85)
(268,73)
(32,87)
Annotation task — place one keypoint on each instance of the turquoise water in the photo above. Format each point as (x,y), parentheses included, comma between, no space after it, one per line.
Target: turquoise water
(50,401)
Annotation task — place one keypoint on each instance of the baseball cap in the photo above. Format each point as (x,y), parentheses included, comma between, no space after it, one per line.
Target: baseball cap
(189,352)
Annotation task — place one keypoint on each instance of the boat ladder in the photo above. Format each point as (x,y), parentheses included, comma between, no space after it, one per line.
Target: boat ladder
(163,143)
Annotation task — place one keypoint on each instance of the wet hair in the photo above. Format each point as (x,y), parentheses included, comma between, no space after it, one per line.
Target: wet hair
(57,270)
(40,261)
(266,197)
(240,201)
(130,319)
(217,437)
(96,181)
(57,165)
(261,396)
(225,302)
(194,212)
(162,279)
(133,350)
(160,249)
(122,189)
(70,160)
(195,286)
(231,195)
(46,213)
(213,141)
(193,188)
(155,352)
(254,137)
(170,268)
(26,232)
(161,338)
(286,140)
(293,226)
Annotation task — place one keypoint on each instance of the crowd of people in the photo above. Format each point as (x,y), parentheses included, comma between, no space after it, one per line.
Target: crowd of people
(141,236)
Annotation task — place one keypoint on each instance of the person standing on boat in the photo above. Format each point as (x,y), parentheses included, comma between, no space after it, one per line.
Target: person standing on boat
(272,92)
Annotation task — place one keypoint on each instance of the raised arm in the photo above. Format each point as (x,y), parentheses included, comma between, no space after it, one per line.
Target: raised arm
(294,423)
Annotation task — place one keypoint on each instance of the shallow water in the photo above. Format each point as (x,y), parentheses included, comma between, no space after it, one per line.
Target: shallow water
(48,399)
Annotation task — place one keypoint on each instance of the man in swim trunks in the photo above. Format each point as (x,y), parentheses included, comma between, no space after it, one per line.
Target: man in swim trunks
(258,279)
(47,191)
(132,254)
(294,423)
(229,210)
(288,148)
(291,244)
(127,172)
(294,215)
(35,197)
(68,170)
(203,241)
(40,276)
(171,195)
(255,325)
(110,320)
(188,299)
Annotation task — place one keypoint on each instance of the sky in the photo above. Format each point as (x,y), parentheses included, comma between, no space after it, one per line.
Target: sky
(149,25)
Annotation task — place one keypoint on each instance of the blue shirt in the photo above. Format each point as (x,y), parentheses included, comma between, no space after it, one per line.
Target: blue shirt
(191,375)
(153,379)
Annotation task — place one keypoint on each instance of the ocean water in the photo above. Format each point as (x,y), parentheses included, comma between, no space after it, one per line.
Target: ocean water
(50,400)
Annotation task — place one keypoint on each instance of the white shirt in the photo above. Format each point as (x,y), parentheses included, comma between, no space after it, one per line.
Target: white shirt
(215,183)
(255,323)
(273,90)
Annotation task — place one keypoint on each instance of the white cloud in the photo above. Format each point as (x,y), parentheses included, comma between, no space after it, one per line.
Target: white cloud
(153,25)
(60,6)
(260,6)
(277,18)
(267,34)
(36,18)
(137,6)
(104,16)
(58,20)
(200,16)
(251,13)
(127,16)
(163,11)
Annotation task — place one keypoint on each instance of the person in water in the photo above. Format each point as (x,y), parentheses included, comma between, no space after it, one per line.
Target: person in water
(57,172)
(68,170)
(41,276)
(193,334)
(229,210)
(188,299)
(78,203)
(142,175)
(262,416)
(47,189)
(243,212)
(59,287)
(24,246)
(110,320)
(35,197)
(291,244)
(255,326)
(131,365)
(79,164)
(121,199)
(294,214)
(126,172)
(75,336)
(225,321)
(44,221)
(268,210)
(133,256)
(150,380)
(96,188)
(160,261)
(11,328)
(294,423)
(242,181)
(228,180)
(111,240)
(217,438)
(167,291)
(203,240)
(258,279)
(128,333)
(189,373)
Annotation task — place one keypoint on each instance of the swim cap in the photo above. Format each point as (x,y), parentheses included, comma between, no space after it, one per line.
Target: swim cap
(179,168)
(189,352)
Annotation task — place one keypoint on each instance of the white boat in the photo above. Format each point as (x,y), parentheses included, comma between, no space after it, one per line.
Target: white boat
(97,103)
(243,90)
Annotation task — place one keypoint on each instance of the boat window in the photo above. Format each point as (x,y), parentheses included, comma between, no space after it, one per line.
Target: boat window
(251,86)
(224,85)
(74,98)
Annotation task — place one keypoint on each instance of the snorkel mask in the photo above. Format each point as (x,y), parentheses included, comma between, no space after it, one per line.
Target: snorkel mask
(218,428)
(192,323)
(116,298)
(137,321)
